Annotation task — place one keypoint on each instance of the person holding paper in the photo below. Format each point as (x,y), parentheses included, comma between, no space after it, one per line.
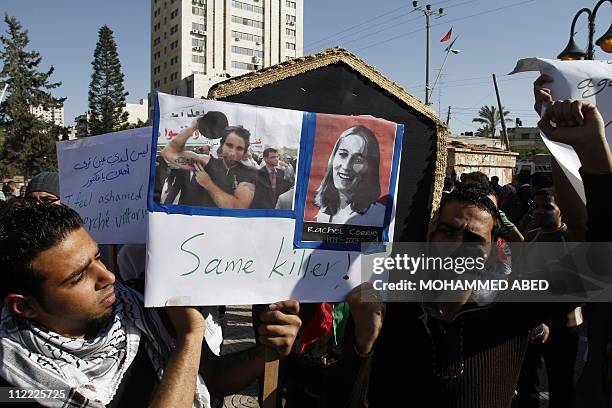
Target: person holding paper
(462,354)
(69,327)
(214,182)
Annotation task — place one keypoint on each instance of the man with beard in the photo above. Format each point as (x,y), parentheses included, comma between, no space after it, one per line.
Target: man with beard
(214,182)
(68,326)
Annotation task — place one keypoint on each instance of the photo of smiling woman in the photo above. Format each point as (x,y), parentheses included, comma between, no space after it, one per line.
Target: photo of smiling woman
(349,179)
(351,184)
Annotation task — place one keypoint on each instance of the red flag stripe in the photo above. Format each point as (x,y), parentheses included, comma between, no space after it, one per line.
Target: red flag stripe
(447,36)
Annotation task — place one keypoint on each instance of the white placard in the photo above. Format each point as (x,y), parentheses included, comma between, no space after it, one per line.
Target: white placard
(105,179)
(220,260)
(586,80)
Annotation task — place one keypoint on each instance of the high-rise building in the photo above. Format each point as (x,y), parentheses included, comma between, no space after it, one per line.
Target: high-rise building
(53,115)
(197,43)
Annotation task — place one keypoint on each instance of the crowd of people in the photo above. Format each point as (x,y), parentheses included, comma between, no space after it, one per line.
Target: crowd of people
(69,324)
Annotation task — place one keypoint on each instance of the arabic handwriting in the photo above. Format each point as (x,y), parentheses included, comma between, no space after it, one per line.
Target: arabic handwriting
(102,176)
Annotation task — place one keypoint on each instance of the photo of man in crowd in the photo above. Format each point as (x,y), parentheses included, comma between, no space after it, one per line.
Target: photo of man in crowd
(192,174)
(271,181)
(222,182)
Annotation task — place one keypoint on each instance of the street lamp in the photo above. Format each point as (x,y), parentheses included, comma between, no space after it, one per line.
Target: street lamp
(428,12)
(573,52)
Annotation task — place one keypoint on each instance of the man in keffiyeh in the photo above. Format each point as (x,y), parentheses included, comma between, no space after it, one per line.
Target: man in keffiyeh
(68,326)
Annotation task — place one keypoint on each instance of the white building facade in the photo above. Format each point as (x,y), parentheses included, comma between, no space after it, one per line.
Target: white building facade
(197,43)
(53,115)
(137,111)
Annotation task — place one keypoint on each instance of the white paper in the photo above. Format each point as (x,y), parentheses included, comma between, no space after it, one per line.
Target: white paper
(105,179)
(586,80)
(219,260)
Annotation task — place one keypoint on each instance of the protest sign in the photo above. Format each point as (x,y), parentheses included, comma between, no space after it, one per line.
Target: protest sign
(221,221)
(586,80)
(105,179)
(203,260)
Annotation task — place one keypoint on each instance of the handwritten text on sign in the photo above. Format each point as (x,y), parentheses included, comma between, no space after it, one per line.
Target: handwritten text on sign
(253,262)
(104,178)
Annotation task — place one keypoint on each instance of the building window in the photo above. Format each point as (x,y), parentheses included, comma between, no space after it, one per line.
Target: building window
(174,29)
(289,32)
(156,70)
(156,41)
(198,43)
(199,11)
(156,84)
(247,51)
(248,22)
(173,14)
(174,60)
(198,59)
(248,37)
(198,27)
(247,7)
(290,19)
(290,46)
(243,65)
(290,4)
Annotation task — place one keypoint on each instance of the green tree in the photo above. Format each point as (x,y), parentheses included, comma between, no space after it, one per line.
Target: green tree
(106,91)
(139,124)
(489,118)
(28,146)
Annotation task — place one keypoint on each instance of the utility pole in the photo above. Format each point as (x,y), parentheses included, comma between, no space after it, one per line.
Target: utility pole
(448,116)
(501,115)
(427,12)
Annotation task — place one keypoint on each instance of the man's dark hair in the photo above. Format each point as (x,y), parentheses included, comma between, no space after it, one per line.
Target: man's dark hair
(524,177)
(476,178)
(269,150)
(25,232)
(475,195)
(548,192)
(494,179)
(541,180)
(238,131)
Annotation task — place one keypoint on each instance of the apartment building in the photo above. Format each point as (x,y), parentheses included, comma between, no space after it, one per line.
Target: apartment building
(197,43)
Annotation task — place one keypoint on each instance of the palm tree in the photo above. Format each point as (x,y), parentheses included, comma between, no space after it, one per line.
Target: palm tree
(489,117)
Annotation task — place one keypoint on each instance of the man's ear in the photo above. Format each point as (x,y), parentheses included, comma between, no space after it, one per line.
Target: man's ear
(22,306)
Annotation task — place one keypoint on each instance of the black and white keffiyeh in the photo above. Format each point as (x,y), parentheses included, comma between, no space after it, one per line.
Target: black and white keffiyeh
(31,356)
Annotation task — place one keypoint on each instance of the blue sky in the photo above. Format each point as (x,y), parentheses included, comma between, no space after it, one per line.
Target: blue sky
(493,35)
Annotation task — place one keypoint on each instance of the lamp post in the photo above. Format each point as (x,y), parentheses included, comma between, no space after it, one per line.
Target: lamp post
(573,52)
(428,12)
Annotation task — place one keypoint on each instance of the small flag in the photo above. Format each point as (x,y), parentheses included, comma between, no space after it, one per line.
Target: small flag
(450,46)
(447,36)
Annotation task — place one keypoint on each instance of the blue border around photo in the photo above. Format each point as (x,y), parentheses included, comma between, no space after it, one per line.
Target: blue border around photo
(307,147)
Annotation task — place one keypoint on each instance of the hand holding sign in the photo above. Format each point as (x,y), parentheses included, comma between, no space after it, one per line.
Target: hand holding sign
(368,313)
(580,125)
(279,326)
